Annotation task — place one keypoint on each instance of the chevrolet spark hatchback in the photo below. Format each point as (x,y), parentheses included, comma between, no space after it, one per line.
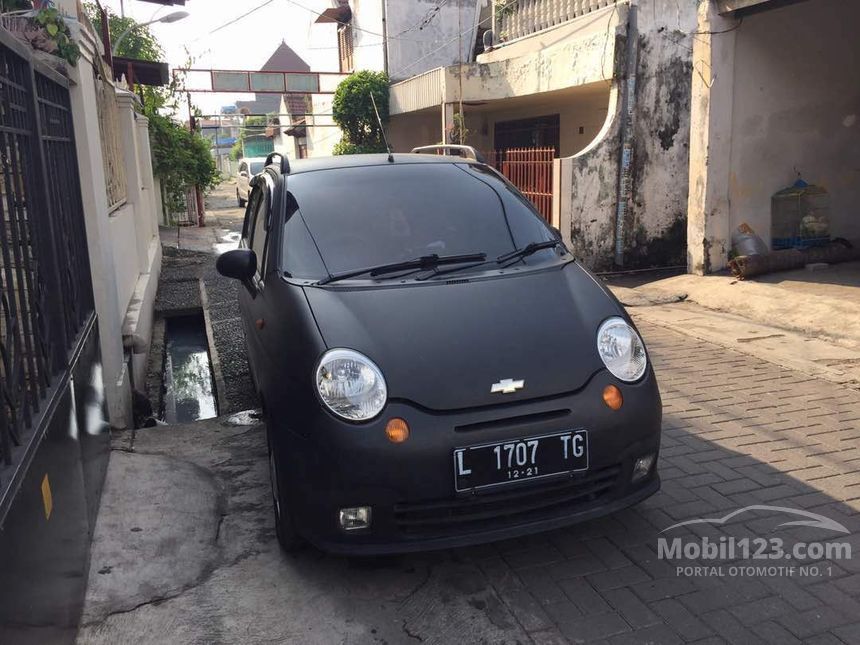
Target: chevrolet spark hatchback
(435,368)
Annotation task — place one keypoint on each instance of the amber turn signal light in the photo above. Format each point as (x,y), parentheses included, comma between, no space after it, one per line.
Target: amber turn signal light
(612,397)
(397,430)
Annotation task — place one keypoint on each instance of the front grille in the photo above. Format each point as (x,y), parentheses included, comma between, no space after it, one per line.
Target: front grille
(506,506)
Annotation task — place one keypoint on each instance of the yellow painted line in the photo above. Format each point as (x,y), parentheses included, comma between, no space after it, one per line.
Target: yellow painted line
(47,499)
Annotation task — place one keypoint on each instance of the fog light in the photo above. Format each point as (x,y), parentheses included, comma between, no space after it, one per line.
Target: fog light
(352,519)
(397,430)
(642,467)
(612,397)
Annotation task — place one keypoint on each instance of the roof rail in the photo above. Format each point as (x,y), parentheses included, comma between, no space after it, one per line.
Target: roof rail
(464,151)
(285,162)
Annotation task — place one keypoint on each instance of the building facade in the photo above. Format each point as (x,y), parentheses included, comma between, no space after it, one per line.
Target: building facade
(668,124)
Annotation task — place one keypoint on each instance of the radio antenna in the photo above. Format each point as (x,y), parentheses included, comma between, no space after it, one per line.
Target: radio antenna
(381,129)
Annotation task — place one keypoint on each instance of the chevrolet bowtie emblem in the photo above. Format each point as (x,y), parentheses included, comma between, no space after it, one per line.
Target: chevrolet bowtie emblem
(507,386)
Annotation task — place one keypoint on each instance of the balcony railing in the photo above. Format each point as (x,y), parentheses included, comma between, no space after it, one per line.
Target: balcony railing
(517,18)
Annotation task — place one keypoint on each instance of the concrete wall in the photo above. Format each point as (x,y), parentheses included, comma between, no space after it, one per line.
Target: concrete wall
(322,139)
(124,248)
(654,229)
(797,106)
(778,91)
(446,33)
(367,40)
(406,131)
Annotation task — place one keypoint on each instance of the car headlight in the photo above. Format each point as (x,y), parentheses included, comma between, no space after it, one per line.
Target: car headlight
(621,349)
(351,385)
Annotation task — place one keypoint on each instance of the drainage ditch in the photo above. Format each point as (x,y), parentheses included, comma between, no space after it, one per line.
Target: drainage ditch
(189,391)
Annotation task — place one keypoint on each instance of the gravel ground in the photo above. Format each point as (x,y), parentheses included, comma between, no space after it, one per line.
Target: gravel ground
(189,256)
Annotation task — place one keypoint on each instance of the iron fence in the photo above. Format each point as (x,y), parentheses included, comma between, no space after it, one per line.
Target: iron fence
(530,170)
(46,297)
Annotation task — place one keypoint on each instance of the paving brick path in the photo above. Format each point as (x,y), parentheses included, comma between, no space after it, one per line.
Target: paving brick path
(737,432)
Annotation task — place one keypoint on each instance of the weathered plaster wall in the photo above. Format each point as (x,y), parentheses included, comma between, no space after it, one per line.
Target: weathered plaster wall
(797,106)
(710,140)
(368,26)
(579,54)
(655,226)
(406,131)
(320,137)
(423,34)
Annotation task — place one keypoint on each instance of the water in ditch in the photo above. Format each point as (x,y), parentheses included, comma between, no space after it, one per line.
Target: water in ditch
(189,394)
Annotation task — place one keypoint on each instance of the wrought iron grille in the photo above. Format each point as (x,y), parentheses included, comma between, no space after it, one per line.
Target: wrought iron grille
(114,167)
(46,296)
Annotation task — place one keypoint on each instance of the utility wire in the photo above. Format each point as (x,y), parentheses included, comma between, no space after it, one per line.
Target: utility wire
(234,20)
(442,46)
(347,24)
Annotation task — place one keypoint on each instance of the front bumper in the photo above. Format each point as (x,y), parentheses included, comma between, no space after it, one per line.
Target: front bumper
(410,486)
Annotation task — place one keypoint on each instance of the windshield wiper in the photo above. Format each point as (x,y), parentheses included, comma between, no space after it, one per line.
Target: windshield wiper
(528,249)
(424,262)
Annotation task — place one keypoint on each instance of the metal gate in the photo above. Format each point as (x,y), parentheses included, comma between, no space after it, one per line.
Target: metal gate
(530,170)
(46,300)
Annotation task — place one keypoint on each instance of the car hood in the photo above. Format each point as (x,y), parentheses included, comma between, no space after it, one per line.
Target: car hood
(442,345)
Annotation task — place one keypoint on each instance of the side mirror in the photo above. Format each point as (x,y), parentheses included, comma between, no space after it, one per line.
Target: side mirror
(242,173)
(239,264)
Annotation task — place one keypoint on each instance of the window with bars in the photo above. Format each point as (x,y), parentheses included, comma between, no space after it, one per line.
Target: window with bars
(345,48)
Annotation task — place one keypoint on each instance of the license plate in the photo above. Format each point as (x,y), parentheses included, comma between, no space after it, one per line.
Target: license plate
(493,464)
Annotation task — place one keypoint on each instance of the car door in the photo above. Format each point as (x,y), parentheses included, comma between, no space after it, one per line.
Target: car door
(254,236)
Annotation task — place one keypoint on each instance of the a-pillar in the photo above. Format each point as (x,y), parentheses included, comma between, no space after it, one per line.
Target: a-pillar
(708,228)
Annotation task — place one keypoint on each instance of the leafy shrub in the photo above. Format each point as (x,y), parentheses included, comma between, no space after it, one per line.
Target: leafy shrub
(352,110)
(180,158)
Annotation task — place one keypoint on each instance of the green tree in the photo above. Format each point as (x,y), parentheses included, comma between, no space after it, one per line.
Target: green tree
(352,110)
(139,43)
(180,157)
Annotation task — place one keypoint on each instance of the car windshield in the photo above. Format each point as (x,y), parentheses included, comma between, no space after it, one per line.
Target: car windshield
(257,167)
(346,219)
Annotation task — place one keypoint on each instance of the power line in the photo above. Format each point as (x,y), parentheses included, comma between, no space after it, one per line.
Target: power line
(347,24)
(443,45)
(234,20)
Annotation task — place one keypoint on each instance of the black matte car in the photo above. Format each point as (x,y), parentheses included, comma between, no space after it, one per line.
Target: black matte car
(435,368)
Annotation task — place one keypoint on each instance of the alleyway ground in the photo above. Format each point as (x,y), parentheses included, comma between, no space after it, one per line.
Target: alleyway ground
(185,549)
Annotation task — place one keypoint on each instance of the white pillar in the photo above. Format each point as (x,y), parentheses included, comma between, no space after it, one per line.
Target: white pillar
(144,152)
(708,234)
(94,195)
(127,117)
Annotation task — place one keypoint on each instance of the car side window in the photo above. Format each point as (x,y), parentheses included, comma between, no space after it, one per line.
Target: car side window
(258,239)
(250,212)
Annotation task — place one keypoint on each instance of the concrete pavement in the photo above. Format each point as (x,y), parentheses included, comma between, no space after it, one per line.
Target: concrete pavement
(739,431)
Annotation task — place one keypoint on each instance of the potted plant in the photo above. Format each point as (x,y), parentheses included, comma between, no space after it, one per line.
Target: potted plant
(40,24)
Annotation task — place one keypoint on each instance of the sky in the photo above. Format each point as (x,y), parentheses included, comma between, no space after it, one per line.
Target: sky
(246,44)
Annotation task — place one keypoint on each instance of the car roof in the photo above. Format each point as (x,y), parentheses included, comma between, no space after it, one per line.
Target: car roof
(354,161)
(254,159)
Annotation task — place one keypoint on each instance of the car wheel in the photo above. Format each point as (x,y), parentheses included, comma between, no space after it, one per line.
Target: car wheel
(241,201)
(288,538)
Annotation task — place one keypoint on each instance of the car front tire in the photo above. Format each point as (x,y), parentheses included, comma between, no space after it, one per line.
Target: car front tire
(288,538)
